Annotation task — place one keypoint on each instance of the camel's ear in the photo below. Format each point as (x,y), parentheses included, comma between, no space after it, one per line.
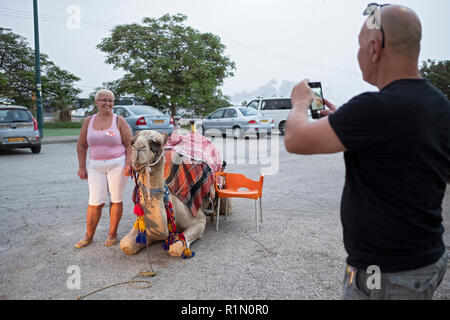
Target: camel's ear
(165,137)
(133,138)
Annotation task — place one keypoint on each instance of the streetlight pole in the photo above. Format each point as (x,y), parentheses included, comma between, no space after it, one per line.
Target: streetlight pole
(37,66)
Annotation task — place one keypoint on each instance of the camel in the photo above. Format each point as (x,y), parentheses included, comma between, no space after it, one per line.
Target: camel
(148,160)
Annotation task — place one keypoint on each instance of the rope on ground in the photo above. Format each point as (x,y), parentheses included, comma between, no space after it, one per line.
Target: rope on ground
(132,282)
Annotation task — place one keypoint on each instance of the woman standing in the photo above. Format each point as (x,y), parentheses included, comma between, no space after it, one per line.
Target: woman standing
(107,136)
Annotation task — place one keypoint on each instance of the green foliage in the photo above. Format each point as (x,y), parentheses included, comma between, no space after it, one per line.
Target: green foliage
(438,73)
(168,64)
(60,124)
(61,132)
(17,75)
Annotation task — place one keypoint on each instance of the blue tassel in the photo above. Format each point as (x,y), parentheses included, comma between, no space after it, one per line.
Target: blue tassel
(141,238)
(186,257)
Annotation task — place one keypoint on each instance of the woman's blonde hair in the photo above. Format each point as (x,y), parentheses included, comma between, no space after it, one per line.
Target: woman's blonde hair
(104,92)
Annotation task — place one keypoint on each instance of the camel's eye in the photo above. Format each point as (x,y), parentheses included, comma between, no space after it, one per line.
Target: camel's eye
(140,148)
(154,147)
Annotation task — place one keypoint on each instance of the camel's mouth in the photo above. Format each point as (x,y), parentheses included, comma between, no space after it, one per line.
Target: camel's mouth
(141,164)
(138,167)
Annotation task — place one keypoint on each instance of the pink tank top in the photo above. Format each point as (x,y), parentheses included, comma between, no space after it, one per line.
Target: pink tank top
(105,144)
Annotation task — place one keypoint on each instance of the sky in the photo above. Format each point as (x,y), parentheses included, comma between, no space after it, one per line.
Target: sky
(274,43)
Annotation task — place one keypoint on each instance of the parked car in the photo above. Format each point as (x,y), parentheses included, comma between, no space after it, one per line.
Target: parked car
(18,129)
(186,118)
(239,121)
(82,112)
(276,108)
(141,117)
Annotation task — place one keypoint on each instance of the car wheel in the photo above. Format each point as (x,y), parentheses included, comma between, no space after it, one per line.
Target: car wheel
(36,149)
(237,133)
(282,128)
(261,135)
(203,130)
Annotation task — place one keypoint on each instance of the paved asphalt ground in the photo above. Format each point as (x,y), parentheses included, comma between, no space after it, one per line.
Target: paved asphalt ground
(298,253)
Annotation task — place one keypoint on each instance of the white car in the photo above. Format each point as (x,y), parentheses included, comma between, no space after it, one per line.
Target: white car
(239,121)
(276,108)
(82,112)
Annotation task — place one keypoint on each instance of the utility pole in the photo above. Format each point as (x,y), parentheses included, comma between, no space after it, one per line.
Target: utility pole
(37,66)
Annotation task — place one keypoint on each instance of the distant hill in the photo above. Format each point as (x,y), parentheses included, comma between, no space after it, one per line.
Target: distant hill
(269,89)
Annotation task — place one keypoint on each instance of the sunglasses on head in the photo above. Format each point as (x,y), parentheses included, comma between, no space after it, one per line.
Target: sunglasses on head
(370,11)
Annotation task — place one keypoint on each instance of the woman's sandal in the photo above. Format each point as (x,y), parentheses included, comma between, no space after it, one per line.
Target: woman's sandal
(82,243)
(110,242)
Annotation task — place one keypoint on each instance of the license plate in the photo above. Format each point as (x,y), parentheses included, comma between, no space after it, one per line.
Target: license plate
(158,121)
(14,140)
(264,121)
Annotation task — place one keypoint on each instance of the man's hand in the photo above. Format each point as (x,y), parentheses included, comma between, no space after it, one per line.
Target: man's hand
(332,108)
(302,96)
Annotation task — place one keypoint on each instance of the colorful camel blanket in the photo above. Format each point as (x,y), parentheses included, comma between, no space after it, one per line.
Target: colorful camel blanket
(191,161)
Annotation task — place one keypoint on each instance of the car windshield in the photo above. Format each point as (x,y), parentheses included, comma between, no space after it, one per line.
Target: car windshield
(15,115)
(144,110)
(249,112)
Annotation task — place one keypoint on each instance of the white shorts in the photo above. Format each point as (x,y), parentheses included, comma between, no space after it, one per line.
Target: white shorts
(106,176)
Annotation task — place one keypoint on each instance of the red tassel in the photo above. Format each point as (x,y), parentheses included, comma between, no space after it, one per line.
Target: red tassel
(138,210)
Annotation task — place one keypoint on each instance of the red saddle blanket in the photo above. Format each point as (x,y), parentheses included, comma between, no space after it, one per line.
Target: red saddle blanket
(191,161)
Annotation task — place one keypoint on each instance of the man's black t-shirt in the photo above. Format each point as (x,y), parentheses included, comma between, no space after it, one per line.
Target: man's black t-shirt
(397,164)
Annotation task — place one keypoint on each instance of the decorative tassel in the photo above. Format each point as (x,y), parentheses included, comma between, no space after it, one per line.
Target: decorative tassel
(139,224)
(174,236)
(138,210)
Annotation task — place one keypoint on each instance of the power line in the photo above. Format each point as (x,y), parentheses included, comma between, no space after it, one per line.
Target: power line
(54,19)
(64,18)
(101,25)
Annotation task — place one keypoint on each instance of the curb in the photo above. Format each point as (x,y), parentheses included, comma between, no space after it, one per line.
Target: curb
(56,140)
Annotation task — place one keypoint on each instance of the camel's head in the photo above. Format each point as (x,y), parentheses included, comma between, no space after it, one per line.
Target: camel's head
(147,146)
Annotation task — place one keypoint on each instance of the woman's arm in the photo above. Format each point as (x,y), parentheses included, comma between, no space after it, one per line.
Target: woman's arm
(82,147)
(125,132)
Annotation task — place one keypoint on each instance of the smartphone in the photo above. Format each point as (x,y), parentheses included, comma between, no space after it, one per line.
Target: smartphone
(318,104)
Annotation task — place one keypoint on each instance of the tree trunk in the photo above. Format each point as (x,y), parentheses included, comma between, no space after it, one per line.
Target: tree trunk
(173,110)
(64,115)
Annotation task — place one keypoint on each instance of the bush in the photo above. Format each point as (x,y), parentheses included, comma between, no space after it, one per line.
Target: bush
(61,124)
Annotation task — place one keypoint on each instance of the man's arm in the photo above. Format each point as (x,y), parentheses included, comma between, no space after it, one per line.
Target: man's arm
(304,137)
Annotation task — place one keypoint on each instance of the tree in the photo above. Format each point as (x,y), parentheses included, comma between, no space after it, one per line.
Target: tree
(17,76)
(438,73)
(168,64)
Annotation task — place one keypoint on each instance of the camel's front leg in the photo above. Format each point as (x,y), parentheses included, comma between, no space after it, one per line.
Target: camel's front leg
(193,232)
(128,243)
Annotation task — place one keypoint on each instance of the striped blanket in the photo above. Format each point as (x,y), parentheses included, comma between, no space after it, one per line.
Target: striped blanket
(191,162)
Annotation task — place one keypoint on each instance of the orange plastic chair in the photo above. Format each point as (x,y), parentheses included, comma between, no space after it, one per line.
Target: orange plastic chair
(239,186)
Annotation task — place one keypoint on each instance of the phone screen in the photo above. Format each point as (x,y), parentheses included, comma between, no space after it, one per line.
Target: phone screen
(317,104)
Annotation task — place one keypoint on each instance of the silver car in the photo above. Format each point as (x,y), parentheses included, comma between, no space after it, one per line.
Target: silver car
(239,121)
(141,117)
(18,129)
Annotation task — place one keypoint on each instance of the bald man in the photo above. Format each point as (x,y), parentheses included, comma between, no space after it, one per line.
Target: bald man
(396,145)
